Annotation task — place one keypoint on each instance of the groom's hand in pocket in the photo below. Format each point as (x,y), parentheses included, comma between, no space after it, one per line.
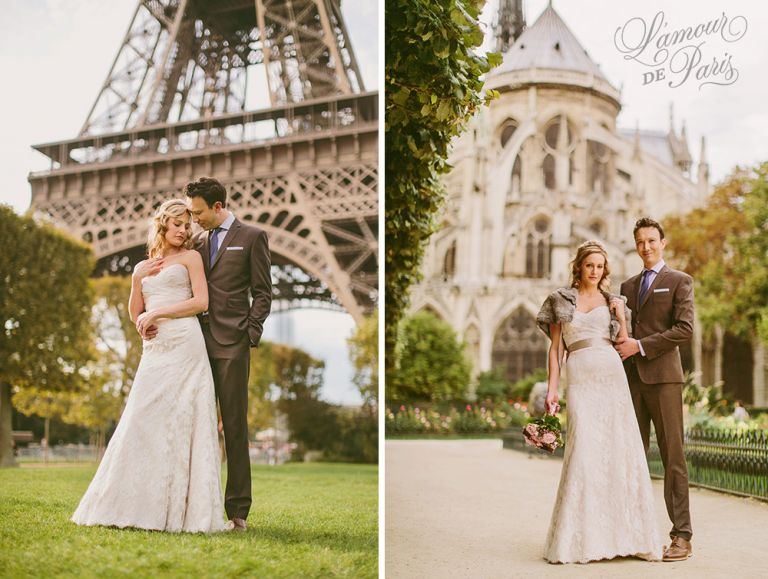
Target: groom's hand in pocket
(627,347)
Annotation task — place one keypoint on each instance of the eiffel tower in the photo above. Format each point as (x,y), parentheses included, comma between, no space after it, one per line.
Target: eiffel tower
(264,95)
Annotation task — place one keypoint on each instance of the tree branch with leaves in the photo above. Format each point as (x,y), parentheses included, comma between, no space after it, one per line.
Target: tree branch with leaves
(433,87)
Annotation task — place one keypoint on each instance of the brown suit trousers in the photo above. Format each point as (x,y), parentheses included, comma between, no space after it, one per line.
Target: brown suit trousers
(240,270)
(662,322)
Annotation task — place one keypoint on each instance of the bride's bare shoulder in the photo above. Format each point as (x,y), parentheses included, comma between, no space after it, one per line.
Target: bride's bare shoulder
(138,265)
(190,256)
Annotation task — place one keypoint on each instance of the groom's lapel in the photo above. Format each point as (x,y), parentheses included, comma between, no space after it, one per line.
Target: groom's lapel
(231,234)
(207,251)
(654,284)
(632,290)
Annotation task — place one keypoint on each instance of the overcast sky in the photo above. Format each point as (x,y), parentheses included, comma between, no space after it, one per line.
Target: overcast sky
(733,118)
(55,54)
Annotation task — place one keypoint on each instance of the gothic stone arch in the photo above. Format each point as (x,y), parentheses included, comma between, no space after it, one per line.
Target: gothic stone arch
(519,347)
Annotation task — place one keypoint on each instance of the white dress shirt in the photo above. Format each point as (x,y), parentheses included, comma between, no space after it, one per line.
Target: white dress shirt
(225,225)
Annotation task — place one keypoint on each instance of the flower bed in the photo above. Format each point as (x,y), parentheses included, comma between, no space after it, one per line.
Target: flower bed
(448,418)
(760,422)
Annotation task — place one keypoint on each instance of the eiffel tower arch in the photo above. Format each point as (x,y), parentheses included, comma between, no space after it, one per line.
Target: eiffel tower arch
(265,96)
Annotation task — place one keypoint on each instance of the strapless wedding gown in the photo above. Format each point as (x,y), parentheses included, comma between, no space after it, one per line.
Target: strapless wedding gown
(605,505)
(161,469)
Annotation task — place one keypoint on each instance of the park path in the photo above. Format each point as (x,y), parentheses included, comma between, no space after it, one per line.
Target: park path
(469,508)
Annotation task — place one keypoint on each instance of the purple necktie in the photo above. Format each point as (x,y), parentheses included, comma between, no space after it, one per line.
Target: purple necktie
(214,242)
(645,284)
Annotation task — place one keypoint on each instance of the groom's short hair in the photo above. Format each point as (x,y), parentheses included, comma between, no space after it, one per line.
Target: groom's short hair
(647,222)
(209,189)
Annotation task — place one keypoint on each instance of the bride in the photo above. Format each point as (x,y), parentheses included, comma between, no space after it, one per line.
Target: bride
(161,469)
(604,506)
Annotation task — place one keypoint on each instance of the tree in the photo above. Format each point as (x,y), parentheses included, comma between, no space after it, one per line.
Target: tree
(94,402)
(705,243)
(492,385)
(45,404)
(107,383)
(299,377)
(356,437)
(724,246)
(430,364)
(752,267)
(364,353)
(97,403)
(97,399)
(262,376)
(433,87)
(359,429)
(289,380)
(44,309)
(297,373)
(117,340)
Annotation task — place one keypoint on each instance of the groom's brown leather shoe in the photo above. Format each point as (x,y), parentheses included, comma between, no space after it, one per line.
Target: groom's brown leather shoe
(679,550)
(239,524)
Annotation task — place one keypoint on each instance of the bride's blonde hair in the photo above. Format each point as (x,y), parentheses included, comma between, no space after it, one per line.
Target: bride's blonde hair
(159,226)
(582,252)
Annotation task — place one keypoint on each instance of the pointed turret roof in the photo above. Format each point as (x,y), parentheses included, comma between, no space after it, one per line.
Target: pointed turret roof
(550,44)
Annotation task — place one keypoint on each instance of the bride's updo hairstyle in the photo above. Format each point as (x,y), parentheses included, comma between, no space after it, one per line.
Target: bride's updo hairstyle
(582,252)
(159,226)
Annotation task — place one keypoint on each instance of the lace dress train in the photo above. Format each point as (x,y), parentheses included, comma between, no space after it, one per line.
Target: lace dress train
(605,505)
(161,469)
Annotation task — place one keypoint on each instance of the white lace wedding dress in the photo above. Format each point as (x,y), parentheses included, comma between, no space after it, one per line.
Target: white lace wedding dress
(161,469)
(605,505)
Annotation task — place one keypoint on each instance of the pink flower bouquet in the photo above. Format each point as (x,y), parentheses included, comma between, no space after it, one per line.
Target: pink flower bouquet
(543,433)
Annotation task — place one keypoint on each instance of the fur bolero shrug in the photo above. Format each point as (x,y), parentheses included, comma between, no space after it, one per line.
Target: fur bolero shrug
(561,303)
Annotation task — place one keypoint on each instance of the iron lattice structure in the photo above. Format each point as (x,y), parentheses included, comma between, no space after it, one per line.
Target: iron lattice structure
(299,160)
(187,59)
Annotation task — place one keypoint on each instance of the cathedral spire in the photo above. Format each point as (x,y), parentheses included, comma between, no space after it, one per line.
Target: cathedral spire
(672,118)
(684,139)
(686,160)
(703,180)
(636,145)
(509,25)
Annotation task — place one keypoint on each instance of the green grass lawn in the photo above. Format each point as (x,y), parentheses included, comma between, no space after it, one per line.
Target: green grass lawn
(307,520)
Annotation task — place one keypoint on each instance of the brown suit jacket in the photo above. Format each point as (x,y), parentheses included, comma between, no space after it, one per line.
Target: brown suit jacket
(240,268)
(662,322)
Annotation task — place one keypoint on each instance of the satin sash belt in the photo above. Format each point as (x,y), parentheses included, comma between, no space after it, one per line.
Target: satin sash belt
(588,343)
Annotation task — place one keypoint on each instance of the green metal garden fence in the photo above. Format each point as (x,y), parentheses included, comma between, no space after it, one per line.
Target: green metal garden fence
(735,461)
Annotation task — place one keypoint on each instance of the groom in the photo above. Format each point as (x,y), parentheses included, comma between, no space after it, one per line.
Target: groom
(661,300)
(237,265)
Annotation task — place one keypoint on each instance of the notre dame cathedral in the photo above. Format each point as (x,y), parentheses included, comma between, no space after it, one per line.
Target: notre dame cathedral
(539,171)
